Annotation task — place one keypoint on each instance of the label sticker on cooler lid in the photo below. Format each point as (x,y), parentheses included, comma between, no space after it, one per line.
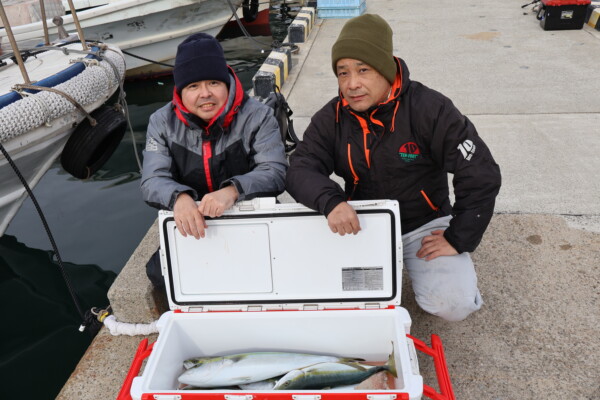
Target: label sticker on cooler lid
(362,278)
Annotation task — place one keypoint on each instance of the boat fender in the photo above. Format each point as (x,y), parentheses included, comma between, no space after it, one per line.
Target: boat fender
(89,147)
(250,10)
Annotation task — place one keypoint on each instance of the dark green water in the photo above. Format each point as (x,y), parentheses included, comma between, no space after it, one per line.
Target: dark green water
(97,224)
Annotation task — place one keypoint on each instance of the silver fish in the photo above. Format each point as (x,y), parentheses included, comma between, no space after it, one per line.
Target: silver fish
(331,374)
(246,368)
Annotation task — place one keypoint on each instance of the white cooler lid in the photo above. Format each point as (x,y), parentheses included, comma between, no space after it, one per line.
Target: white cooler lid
(261,255)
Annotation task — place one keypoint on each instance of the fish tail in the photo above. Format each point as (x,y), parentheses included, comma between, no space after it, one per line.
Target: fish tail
(390,366)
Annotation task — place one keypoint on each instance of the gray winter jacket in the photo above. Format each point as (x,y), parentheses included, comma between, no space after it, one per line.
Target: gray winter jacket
(242,147)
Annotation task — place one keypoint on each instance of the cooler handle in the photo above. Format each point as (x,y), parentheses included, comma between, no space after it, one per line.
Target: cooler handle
(141,354)
(441,368)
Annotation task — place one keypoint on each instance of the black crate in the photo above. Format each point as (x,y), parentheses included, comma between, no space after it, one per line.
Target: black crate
(564,16)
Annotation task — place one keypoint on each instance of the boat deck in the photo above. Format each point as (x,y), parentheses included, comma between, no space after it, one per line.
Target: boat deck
(531,95)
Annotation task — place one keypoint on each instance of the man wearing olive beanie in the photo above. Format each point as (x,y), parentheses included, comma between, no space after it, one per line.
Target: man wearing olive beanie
(367,38)
(392,138)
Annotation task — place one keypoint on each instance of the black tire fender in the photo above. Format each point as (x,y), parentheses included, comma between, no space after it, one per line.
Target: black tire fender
(88,148)
(250,10)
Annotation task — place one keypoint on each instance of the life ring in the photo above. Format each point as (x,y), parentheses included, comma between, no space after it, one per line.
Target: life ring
(250,10)
(88,148)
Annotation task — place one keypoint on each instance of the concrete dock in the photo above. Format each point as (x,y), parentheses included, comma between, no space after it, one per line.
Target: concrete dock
(534,97)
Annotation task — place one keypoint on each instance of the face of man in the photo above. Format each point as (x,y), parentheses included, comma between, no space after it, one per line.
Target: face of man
(204,98)
(361,85)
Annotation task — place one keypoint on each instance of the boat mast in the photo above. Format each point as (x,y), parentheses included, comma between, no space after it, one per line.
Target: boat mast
(43,12)
(13,44)
(77,25)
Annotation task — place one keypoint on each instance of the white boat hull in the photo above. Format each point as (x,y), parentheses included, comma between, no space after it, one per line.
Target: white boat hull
(33,150)
(148,28)
(33,153)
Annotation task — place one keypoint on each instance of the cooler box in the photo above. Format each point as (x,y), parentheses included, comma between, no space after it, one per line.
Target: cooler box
(563,14)
(341,8)
(273,277)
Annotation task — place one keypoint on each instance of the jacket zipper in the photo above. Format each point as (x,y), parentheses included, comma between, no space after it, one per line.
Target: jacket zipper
(206,156)
(353,174)
(433,207)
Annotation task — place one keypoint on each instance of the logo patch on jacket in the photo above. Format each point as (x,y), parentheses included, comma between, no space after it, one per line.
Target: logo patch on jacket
(467,148)
(409,152)
(151,145)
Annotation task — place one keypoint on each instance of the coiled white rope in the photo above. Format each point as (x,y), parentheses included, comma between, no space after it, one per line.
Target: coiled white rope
(86,87)
(117,328)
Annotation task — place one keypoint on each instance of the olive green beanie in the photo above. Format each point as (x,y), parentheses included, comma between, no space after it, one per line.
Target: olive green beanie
(367,38)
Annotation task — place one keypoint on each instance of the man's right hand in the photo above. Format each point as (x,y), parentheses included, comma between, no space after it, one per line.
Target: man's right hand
(188,219)
(343,219)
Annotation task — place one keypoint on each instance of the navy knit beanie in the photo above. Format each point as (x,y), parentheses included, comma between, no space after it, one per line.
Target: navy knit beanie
(199,58)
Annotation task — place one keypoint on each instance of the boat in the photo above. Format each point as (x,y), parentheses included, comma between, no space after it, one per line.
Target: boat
(145,30)
(61,114)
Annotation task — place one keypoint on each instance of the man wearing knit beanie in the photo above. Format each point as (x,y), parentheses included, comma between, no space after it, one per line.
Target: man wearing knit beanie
(210,146)
(367,38)
(392,138)
(200,61)
(365,41)
(200,57)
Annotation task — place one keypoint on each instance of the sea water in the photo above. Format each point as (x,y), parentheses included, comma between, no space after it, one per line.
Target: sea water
(96,224)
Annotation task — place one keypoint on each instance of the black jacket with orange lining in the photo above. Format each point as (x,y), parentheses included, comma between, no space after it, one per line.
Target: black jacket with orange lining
(403,150)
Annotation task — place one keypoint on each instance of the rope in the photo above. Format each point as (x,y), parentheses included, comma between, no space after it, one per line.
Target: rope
(125,109)
(20,86)
(41,103)
(33,51)
(147,59)
(87,87)
(48,232)
(117,328)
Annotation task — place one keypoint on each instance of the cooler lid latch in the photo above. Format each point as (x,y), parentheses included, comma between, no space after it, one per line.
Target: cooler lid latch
(306,397)
(381,396)
(167,397)
(310,307)
(370,306)
(238,397)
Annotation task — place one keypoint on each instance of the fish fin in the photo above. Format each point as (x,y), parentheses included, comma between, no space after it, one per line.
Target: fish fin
(352,359)
(237,357)
(227,362)
(187,364)
(354,364)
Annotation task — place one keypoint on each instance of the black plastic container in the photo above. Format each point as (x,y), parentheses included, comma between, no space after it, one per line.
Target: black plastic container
(563,14)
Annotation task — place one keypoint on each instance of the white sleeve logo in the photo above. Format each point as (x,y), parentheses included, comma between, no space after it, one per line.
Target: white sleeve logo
(151,145)
(467,148)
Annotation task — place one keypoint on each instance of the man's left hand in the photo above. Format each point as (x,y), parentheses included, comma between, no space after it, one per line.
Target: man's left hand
(215,203)
(434,246)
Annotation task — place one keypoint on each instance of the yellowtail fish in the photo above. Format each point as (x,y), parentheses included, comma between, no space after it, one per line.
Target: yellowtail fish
(331,374)
(244,368)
